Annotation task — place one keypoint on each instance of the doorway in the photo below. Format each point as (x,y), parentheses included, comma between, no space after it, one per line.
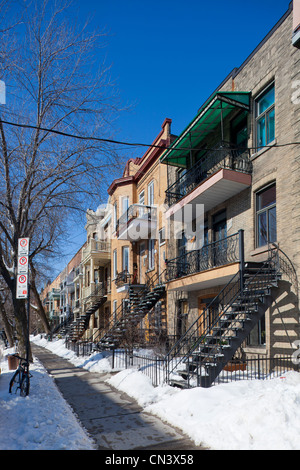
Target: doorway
(207,315)
(220,239)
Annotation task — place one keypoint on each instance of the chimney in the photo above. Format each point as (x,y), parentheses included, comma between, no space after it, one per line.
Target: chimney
(296,24)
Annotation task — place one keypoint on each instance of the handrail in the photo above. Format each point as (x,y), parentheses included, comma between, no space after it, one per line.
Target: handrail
(218,253)
(283,266)
(223,301)
(188,338)
(137,211)
(223,155)
(119,314)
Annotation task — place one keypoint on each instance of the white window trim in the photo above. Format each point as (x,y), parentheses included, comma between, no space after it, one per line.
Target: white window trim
(115,263)
(151,193)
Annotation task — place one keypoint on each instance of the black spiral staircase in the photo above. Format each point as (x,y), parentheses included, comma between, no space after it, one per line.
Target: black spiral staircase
(139,302)
(212,340)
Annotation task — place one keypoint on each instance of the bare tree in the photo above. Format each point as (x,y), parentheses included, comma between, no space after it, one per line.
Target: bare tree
(56,85)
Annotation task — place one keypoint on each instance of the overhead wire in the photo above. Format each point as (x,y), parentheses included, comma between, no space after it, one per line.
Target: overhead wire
(132,144)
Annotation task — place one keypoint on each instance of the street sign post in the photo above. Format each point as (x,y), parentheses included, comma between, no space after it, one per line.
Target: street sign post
(23,286)
(22,271)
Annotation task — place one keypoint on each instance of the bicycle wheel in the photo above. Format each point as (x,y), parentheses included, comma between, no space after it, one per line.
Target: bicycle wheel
(14,383)
(24,385)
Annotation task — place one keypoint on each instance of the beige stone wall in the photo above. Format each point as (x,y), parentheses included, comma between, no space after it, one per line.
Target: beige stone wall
(275,60)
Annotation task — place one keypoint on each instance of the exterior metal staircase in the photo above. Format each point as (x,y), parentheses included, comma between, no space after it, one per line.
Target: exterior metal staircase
(63,326)
(139,302)
(212,340)
(91,304)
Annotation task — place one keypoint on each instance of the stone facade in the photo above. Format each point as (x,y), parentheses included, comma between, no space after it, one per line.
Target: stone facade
(276,61)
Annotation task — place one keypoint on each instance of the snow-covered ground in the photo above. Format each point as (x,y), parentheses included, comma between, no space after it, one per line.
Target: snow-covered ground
(240,415)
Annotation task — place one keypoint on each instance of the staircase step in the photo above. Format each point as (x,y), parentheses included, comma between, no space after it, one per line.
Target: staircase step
(179,383)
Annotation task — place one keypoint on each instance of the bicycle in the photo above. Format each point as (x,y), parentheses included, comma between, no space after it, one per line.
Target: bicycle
(21,378)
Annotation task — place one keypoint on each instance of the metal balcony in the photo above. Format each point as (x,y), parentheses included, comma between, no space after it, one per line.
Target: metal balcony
(139,222)
(217,254)
(222,157)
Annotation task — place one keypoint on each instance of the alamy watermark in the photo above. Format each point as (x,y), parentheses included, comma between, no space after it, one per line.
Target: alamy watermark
(2,92)
(138,222)
(296,354)
(296,94)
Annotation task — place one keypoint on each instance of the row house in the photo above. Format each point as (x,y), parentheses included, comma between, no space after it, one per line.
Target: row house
(233,264)
(138,248)
(197,249)
(50,296)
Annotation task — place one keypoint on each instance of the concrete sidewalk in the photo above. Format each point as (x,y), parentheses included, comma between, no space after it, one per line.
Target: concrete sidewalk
(111,418)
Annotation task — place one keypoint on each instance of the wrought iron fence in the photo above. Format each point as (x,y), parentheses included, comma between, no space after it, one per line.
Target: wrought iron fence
(259,367)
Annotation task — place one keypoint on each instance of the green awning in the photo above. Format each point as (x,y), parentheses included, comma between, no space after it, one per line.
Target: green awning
(209,117)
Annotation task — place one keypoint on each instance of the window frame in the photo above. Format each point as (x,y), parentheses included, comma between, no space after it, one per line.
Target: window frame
(125,254)
(266,210)
(115,263)
(150,195)
(115,216)
(151,254)
(265,114)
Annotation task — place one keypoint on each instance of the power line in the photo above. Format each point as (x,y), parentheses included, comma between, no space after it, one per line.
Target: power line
(132,144)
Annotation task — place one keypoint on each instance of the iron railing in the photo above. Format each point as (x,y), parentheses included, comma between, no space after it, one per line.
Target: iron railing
(123,277)
(222,156)
(219,253)
(136,211)
(211,319)
(126,309)
(258,367)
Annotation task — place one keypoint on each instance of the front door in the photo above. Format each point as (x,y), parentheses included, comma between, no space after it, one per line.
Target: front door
(219,239)
(207,314)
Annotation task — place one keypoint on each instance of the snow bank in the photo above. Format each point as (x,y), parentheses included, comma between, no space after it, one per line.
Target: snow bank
(42,420)
(245,415)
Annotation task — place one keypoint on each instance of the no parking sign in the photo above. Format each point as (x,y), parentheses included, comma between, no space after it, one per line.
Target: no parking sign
(22,286)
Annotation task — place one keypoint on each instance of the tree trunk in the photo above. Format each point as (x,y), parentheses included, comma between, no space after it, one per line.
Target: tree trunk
(7,327)
(21,319)
(41,309)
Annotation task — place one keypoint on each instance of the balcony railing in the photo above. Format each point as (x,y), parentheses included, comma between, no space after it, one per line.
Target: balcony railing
(139,220)
(222,156)
(123,278)
(216,254)
(96,246)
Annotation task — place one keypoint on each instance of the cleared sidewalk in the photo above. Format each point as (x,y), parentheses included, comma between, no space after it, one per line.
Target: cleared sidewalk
(111,418)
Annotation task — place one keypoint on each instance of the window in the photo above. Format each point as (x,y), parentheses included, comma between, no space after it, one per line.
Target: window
(151,193)
(162,236)
(239,132)
(142,202)
(266,216)
(115,216)
(151,254)
(115,271)
(265,117)
(142,198)
(115,310)
(125,258)
(125,204)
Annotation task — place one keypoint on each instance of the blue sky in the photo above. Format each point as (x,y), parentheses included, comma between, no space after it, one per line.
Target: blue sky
(167,57)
